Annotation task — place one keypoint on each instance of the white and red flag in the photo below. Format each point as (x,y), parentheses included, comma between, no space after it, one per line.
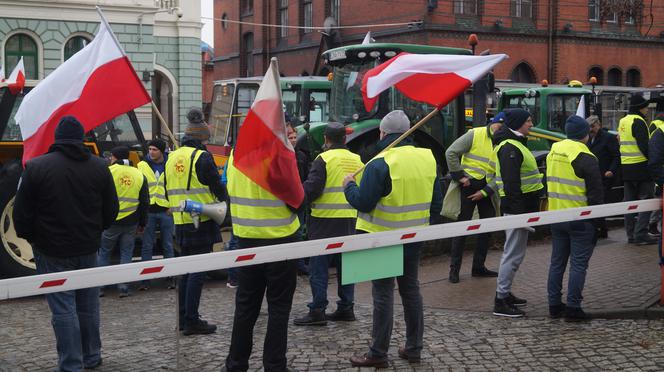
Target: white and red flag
(2,74)
(263,152)
(16,80)
(432,78)
(95,85)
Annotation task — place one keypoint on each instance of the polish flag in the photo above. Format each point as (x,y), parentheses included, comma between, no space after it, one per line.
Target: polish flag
(263,152)
(2,74)
(95,85)
(16,80)
(432,78)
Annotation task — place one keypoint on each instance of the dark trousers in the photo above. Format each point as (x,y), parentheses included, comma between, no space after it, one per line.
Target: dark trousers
(318,279)
(276,281)
(607,184)
(486,210)
(190,287)
(636,225)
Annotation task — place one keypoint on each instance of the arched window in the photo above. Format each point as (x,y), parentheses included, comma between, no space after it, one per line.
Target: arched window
(523,73)
(598,73)
(633,78)
(74,44)
(614,77)
(22,45)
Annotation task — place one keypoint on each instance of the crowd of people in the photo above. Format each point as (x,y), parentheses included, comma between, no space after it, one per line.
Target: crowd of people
(88,208)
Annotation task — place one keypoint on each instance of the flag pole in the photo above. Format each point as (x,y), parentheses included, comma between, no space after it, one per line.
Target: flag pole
(404,135)
(164,125)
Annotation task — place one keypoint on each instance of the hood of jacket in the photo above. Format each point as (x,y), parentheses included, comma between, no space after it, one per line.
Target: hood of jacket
(504,133)
(74,150)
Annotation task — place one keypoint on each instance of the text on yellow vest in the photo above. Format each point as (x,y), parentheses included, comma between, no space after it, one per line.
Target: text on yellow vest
(128,182)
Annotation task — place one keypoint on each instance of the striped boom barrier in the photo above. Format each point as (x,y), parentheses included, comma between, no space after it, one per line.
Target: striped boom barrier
(69,280)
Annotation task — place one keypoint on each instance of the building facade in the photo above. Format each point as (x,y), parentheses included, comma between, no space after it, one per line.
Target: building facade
(619,42)
(161,38)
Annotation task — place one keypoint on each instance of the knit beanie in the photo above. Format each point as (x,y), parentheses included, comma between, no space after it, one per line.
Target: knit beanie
(637,102)
(196,128)
(158,143)
(69,128)
(120,152)
(576,127)
(499,118)
(395,122)
(515,118)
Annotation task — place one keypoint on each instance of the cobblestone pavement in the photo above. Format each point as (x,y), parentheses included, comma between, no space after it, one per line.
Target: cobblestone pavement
(138,333)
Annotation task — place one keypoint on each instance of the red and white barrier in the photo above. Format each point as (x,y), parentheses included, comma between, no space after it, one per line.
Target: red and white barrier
(68,280)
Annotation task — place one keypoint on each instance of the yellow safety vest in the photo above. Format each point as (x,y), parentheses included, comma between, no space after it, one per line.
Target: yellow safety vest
(332,202)
(658,124)
(128,182)
(256,212)
(157,193)
(565,188)
(182,183)
(477,162)
(412,172)
(629,150)
(531,178)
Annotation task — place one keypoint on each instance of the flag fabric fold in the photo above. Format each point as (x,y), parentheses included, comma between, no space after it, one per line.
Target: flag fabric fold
(263,152)
(581,109)
(95,85)
(16,80)
(432,78)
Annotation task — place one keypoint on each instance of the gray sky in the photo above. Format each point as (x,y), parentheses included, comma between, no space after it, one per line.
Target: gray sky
(207,31)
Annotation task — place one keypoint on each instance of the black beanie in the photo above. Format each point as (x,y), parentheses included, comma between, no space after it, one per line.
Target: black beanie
(69,128)
(120,152)
(576,127)
(158,143)
(515,118)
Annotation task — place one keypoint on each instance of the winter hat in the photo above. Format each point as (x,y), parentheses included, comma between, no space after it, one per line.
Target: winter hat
(576,127)
(637,102)
(158,143)
(196,129)
(515,118)
(120,152)
(335,130)
(499,118)
(69,128)
(395,122)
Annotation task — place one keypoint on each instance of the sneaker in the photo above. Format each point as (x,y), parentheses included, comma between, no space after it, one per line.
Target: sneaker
(347,315)
(646,241)
(502,307)
(556,311)
(454,275)
(516,301)
(198,327)
(483,272)
(575,314)
(231,284)
(314,317)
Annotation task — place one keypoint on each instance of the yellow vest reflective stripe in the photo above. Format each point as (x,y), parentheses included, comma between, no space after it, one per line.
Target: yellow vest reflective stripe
(412,172)
(565,188)
(128,182)
(629,150)
(257,213)
(332,202)
(531,178)
(157,193)
(178,166)
(477,162)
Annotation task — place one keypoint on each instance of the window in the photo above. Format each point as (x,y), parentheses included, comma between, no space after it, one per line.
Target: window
(307,15)
(247,55)
(22,45)
(224,24)
(523,73)
(247,7)
(633,78)
(282,15)
(598,73)
(593,10)
(601,10)
(560,108)
(614,77)
(73,45)
(468,7)
(521,8)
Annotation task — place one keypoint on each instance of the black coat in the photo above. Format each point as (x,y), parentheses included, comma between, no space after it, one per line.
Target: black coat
(606,148)
(64,201)
(656,157)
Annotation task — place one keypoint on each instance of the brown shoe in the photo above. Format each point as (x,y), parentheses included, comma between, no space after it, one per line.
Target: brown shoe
(366,361)
(409,358)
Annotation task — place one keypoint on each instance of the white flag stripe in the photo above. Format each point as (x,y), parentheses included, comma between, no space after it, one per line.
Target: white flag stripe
(2,73)
(270,90)
(468,67)
(14,75)
(71,76)
(581,109)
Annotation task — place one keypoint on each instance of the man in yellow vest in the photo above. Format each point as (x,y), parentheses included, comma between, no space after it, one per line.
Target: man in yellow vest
(331,216)
(573,180)
(520,186)
(400,188)
(191,174)
(134,198)
(633,134)
(159,216)
(469,163)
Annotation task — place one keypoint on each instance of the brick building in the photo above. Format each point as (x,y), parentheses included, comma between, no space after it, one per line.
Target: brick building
(619,42)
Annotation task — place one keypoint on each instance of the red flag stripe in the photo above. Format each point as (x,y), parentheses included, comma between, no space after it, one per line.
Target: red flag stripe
(334,245)
(246,257)
(53,283)
(151,270)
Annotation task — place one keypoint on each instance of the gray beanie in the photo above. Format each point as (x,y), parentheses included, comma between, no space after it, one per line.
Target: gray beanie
(196,128)
(395,122)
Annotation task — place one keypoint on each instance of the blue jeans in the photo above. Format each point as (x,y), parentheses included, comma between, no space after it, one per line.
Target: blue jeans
(166,227)
(383,303)
(318,278)
(75,314)
(190,288)
(122,236)
(573,241)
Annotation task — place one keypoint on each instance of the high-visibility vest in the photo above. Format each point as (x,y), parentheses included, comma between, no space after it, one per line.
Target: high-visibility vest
(332,202)
(565,188)
(658,124)
(477,162)
(157,193)
(412,172)
(182,183)
(531,178)
(128,182)
(256,213)
(629,150)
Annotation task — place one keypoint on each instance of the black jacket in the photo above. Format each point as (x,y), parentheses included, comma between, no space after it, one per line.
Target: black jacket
(510,159)
(656,157)
(638,171)
(64,201)
(605,146)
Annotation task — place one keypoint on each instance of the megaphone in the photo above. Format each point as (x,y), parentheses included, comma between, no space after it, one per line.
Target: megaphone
(217,211)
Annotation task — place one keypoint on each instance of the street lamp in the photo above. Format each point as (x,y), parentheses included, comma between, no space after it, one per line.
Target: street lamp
(172,10)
